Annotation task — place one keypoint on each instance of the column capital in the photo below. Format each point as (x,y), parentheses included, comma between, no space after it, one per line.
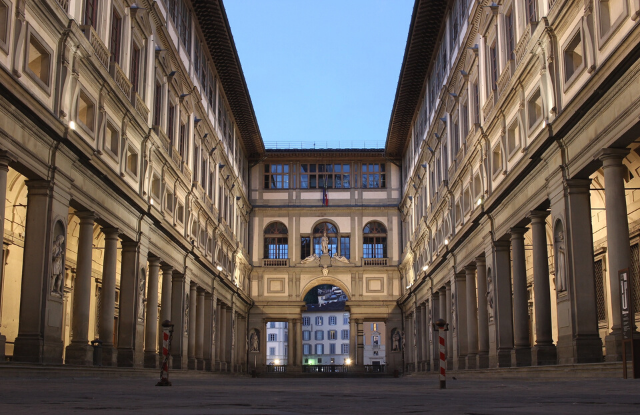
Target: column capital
(129,246)
(576,186)
(481,261)
(153,261)
(469,269)
(6,157)
(538,216)
(110,233)
(611,157)
(500,245)
(166,267)
(42,187)
(201,291)
(518,232)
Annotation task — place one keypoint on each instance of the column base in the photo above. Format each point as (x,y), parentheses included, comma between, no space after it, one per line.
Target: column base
(459,362)
(199,364)
(588,350)
(503,358)
(109,356)
(542,355)
(79,354)
(3,342)
(192,364)
(151,360)
(483,361)
(126,357)
(28,349)
(176,362)
(613,346)
(436,366)
(521,356)
(449,363)
(471,361)
(208,365)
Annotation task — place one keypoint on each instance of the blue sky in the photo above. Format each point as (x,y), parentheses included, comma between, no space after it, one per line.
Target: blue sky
(322,72)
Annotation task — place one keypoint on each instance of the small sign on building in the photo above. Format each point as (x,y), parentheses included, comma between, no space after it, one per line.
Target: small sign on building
(629,343)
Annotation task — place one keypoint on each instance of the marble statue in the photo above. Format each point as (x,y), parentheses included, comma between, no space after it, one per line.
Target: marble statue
(57,274)
(324,243)
(340,258)
(561,278)
(395,347)
(310,258)
(186,315)
(254,341)
(141,297)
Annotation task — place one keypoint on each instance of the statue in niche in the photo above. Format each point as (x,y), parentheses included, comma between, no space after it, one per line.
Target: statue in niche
(310,258)
(490,292)
(141,291)
(57,273)
(186,315)
(396,339)
(561,277)
(324,243)
(453,309)
(254,341)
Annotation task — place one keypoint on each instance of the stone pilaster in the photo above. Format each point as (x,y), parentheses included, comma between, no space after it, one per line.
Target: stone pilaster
(200,330)
(521,355)
(192,327)
(209,331)
(472,317)
(461,343)
(503,316)
(483,314)
(108,294)
(178,318)
(151,328)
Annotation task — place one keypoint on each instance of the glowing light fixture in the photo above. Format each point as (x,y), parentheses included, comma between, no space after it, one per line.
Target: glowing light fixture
(446,242)
(347,361)
(219,268)
(276,362)
(426,267)
(151,202)
(479,202)
(72,125)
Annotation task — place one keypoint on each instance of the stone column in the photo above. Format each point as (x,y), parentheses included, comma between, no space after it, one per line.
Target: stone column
(151,321)
(360,328)
(483,314)
(618,249)
(449,319)
(130,302)
(108,295)
(165,301)
(461,341)
(178,308)
(424,338)
(216,335)
(193,309)
(80,352)
(435,347)
(472,317)
(41,296)
(353,342)
(291,343)
(200,330)
(298,323)
(208,350)
(521,355)
(223,338)
(544,351)
(5,159)
(415,336)
(503,316)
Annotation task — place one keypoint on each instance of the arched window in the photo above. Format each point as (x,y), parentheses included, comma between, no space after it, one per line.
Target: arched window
(332,234)
(374,242)
(276,242)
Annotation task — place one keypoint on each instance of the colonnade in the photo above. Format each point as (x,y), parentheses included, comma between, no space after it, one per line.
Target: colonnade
(487,300)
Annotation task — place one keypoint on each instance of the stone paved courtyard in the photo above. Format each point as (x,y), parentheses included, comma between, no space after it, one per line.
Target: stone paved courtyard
(44,394)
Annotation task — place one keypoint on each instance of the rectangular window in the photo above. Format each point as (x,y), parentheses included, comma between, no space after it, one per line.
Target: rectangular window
(345,249)
(157,103)
(373,176)
(573,57)
(319,176)
(180,213)
(182,145)
(532,10)
(272,337)
(476,104)
(91,13)
(86,111)
(345,348)
(332,348)
(345,318)
(305,247)
(374,247)
(4,25)
(511,37)
(132,162)
(319,350)
(333,320)
(306,349)
(112,140)
(168,201)
(319,321)
(135,68)
(306,321)
(333,335)
(170,125)
(276,176)
(272,351)
(493,69)
(116,35)
(306,335)
(319,335)
(345,335)
(535,109)
(39,62)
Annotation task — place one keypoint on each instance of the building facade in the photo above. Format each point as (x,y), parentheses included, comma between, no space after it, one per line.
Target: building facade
(137,189)
(277,343)
(325,334)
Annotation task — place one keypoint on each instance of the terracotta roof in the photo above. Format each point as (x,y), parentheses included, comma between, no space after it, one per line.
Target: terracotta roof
(426,24)
(217,32)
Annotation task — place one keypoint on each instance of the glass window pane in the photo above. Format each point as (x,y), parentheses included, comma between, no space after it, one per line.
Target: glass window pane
(312,182)
(274,168)
(337,168)
(346,168)
(312,168)
(266,168)
(286,168)
(304,181)
(273,182)
(285,182)
(345,181)
(321,168)
(304,168)
(279,168)
(329,168)
(338,181)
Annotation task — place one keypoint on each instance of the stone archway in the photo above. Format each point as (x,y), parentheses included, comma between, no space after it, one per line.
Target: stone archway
(325,280)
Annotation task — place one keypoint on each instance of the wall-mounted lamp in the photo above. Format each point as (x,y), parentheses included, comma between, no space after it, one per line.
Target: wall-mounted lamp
(446,242)
(426,267)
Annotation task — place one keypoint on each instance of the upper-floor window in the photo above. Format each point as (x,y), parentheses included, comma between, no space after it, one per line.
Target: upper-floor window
(374,241)
(333,320)
(493,67)
(273,337)
(276,176)
(157,103)
(182,144)
(306,334)
(135,68)
(319,335)
(345,318)
(306,321)
(332,335)
(276,241)
(332,234)
(116,36)
(319,321)
(331,176)
(532,10)
(373,176)
(345,335)
(171,113)
(91,13)
(511,36)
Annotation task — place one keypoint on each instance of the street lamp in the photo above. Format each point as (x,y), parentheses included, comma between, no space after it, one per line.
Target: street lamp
(347,361)
(276,362)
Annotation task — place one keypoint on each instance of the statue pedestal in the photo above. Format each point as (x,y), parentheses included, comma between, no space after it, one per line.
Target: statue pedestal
(325,260)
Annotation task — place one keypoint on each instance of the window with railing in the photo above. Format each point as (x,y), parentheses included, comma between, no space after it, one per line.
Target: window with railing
(116,36)
(510,33)
(91,13)
(374,240)
(276,241)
